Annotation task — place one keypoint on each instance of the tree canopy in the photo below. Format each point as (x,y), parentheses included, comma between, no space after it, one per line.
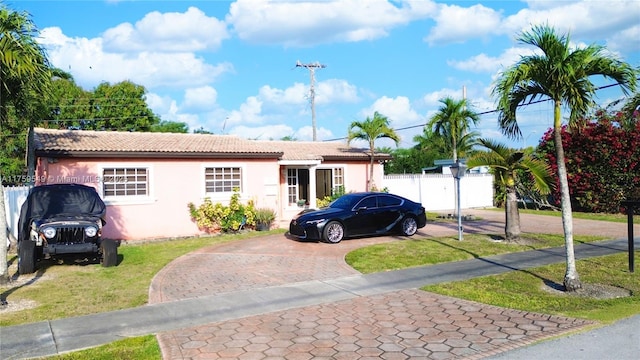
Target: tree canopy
(371,130)
(453,122)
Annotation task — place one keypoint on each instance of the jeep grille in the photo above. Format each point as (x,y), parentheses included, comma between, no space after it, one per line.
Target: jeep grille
(68,235)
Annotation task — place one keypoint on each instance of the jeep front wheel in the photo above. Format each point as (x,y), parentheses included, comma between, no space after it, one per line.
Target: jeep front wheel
(26,257)
(109,253)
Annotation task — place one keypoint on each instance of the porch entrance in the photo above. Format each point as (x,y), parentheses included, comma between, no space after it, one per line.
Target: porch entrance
(306,185)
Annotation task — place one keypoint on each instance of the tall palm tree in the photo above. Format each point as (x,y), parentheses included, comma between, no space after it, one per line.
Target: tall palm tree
(453,122)
(371,130)
(506,164)
(24,71)
(562,74)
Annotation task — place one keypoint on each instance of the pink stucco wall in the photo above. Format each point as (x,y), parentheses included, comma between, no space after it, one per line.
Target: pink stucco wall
(173,184)
(358,175)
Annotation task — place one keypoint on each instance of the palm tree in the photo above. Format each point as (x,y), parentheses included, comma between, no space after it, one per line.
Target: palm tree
(562,74)
(506,164)
(631,111)
(453,122)
(24,71)
(370,130)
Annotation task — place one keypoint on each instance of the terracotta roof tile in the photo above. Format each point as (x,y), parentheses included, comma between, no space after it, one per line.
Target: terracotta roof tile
(87,143)
(142,142)
(316,150)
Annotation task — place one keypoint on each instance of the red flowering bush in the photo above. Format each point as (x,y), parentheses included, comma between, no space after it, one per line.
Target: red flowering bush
(603,162)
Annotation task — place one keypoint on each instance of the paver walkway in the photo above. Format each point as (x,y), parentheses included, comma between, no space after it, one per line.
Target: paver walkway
(398,324)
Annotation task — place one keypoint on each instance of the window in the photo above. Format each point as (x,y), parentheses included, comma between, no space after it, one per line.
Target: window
(222,179)
(368,203)
(125,182)
(386,200)
(338,179)
(292,185)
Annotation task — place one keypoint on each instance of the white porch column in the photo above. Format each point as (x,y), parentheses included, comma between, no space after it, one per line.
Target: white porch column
(312,186)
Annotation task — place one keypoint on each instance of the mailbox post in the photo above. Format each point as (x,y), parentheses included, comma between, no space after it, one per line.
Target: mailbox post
(457,170)
(631,205)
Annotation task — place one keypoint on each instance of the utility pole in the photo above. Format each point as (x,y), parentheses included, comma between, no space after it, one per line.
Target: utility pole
(312,93)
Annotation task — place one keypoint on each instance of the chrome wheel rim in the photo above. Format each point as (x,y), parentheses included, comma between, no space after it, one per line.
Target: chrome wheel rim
(409,226)
(335,233)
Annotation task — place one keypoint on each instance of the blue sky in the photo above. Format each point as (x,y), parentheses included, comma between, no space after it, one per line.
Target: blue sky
(229,66)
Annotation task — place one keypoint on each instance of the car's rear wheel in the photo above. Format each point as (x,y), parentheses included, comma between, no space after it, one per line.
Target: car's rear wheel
(409,226)
(109,253)
(26,257)
(334,232)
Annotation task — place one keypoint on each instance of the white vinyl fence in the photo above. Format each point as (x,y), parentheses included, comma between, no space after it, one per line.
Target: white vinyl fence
(14,197)
(437,192)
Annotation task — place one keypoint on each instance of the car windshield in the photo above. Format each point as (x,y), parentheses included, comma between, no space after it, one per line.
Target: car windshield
(344,202)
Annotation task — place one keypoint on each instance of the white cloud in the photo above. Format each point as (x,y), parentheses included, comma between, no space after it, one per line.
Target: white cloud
(248,113)
(326,92)
(287,104)
(459,24)
(432,99)
(478,63)
(271,132)
(192,120)
(295,94)
(336,91)
(279,131)
(398,110)
(546,4)
(297,23)
(625,41)
(305,133)
(199,99)
(91,65)
(582,19)
(484,63)
(160,104)
(168,32)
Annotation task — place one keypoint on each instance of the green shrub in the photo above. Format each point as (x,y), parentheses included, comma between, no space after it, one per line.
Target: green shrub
(336,193)
(264,216)
(216,217)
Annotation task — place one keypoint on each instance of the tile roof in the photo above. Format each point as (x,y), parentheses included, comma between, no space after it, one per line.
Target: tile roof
(317,150)
(88,143)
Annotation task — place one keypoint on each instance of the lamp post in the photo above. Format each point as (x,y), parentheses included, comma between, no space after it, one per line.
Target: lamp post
(457,170)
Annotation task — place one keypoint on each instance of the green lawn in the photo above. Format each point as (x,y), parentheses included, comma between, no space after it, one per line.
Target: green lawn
(73,290)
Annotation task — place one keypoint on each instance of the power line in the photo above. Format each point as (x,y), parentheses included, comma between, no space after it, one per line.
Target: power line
(488,111)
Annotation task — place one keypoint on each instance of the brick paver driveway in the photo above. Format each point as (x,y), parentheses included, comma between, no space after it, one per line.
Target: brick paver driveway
(398,325)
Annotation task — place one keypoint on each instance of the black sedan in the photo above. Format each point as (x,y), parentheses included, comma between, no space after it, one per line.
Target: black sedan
(360,214)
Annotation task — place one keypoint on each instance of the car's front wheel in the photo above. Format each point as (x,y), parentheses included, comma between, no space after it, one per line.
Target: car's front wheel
(26,257)
(334,232)
(409,226)
(109,253)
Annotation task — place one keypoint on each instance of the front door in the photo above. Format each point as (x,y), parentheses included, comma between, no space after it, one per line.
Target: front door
(298,186)
(324,183)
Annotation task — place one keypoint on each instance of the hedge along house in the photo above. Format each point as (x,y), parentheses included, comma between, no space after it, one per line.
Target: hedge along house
(147,179)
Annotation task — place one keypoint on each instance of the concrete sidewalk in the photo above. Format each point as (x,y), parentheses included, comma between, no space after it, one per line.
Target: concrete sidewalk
(179,321)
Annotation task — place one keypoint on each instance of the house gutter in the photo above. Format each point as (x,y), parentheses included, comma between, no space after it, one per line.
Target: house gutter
(153,154)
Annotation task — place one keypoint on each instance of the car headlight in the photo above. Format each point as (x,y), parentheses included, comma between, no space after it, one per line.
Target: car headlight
(49,232)
(90,231)
(315,222)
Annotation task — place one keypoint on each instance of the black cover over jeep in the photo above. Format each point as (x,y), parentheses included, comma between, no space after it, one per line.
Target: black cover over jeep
(62,219)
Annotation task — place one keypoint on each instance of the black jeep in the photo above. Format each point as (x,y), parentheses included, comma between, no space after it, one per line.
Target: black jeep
(62,219)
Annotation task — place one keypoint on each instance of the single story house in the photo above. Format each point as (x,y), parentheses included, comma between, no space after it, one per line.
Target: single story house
(147,179)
